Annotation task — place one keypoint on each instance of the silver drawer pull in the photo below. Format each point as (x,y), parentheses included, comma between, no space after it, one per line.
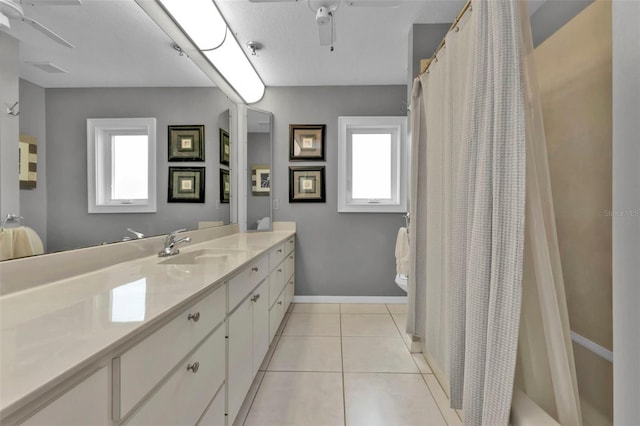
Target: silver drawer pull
(280,302)
(280,270)
(279,250)
(193,367)
(255,297)
(291,257)
(194,317)
(254,269)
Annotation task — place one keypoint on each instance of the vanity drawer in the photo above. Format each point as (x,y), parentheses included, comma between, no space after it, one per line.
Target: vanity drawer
(276,313)
(242,284)
(85,404)
(277,282)
(184,396)
(276,255)
(215,416)
(290,245)
(140,368)
(289,265)
(289,292)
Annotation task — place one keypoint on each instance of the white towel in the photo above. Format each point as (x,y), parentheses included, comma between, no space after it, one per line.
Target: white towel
(402,252)
(19,242)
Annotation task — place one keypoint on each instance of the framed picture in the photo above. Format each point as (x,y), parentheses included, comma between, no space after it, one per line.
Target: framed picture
(28,163)
(306,184)
(186,143)
(225,186)
(306,142)
(225,149)
(260,180)
(186,185)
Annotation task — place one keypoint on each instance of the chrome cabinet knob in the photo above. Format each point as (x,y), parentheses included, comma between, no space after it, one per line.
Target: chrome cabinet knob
(279,250)
(280,302)
(280,270)
(255,297)
(254,269)
(291,257)
(193,367)
(194,317)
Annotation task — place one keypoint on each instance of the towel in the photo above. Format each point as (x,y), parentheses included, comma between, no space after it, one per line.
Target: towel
(402,252)
(19,242)
(264,223)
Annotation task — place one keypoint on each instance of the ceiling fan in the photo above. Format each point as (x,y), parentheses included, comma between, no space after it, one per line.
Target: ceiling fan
(13,9)
(325,11)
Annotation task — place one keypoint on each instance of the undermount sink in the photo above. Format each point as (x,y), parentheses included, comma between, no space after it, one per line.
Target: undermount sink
(204,256)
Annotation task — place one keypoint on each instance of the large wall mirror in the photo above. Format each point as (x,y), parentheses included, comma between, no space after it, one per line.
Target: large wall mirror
(121,65)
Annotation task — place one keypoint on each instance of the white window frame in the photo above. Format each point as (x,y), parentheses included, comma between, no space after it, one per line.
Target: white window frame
(397,127)
(99,168)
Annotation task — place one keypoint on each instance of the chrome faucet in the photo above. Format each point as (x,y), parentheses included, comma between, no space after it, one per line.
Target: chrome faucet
(170,244)
(137,234)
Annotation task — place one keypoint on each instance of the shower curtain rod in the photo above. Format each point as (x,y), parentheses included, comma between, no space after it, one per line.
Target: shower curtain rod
(467,7)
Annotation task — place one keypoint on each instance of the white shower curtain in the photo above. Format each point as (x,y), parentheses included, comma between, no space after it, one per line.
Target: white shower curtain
(473,119)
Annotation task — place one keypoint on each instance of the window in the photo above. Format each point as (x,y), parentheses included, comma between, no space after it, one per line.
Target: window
(121,165)
(372,164)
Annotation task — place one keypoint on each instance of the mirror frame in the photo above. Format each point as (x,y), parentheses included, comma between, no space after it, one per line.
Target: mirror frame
(243,167)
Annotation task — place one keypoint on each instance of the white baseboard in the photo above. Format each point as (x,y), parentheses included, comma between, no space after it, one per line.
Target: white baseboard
(350,299)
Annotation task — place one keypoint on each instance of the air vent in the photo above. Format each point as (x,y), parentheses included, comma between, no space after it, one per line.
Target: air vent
(48,67)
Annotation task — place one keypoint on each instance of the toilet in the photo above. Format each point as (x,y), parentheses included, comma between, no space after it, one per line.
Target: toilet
(401,280)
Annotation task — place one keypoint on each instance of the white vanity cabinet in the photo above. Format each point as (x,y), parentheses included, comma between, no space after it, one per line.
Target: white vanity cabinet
(87,403)
(281,283)
(248,344)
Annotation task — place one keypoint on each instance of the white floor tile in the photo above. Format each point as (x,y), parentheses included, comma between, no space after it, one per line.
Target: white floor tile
(377,354)
(368,325)
(449,414)
(389,399)
(397,308)
(303,353)
(363,308)
(298,399)
(312,325)
(316,308)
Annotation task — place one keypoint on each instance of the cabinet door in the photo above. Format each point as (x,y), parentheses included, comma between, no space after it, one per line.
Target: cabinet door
(240,359)
(260,324)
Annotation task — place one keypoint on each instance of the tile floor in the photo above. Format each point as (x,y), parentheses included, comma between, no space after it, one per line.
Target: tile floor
(345,364)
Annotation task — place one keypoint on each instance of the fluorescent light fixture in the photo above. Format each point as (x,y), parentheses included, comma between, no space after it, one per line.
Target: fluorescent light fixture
(200,19)
(198,27)
(230,60)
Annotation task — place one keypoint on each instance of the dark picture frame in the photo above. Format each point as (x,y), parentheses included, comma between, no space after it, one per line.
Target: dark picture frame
(186,143)
(186,185)
(225,186)
(307,142)
(307,184)
(225,147)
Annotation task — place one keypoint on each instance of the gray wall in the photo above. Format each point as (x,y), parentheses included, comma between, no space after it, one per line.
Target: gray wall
(9,126)
(258,153)
(33,202)
(338,254)
(69,225)
(552,15)
(626,203)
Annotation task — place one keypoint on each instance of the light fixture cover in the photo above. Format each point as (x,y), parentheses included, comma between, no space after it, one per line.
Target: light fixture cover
(200,19)
(231,61)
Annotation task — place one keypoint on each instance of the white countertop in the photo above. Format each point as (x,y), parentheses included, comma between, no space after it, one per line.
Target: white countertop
(52,331)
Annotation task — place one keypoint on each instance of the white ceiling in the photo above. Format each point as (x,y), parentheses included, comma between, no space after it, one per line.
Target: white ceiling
(117,44)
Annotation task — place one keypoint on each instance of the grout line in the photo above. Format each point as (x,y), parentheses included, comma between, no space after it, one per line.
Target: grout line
(344,397)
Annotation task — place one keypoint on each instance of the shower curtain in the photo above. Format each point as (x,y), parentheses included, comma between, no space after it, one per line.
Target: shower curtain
(477,134)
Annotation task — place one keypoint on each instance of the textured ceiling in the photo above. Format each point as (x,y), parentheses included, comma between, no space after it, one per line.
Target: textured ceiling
(117,44)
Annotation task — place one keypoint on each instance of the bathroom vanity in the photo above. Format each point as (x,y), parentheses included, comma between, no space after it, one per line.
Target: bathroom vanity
(174,340)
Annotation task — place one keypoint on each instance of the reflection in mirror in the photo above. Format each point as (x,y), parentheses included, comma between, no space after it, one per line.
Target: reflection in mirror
(224,198)
(259,125)
(98,78)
